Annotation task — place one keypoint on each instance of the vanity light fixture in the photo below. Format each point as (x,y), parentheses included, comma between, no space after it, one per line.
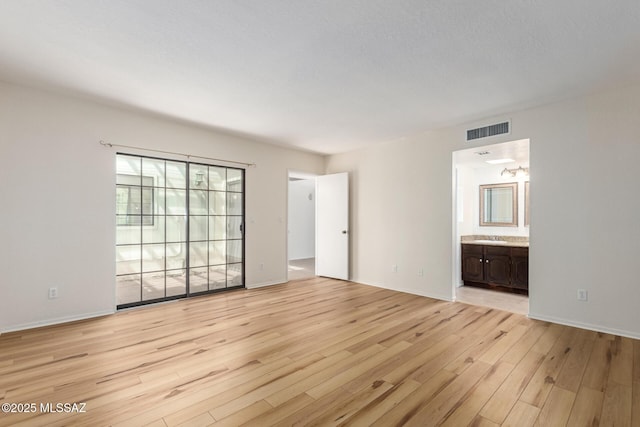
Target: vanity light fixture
(519,171)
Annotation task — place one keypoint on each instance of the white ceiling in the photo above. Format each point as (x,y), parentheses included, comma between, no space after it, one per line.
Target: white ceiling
(327,76)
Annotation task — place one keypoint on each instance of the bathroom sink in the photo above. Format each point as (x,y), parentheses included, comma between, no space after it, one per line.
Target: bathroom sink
(497,242)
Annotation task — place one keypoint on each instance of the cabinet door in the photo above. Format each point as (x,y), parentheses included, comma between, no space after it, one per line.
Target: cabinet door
(497,265)
(472,263)
(520,268)
(497,269)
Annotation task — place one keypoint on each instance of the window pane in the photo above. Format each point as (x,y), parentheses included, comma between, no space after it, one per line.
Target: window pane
(158,201)
(176,255)
(217,252)
(153,285)
(148,201)
(153,233)
(217,227)
(217,204)
(197,228)
(176,202)
(234,224)
(218,277)
(198,280)
(234,180)
(234,275)
(128,288)
(176,228)
(234,203)
(198,254)
(152,257)
(198,202)
(234,251)
(176,282)
(127,166)
(127,234)
(128,200)
(128,259)
(176,173)
(198,177)
(217,178)
(154,169)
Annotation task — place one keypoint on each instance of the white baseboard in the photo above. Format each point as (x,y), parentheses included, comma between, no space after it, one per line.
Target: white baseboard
(407,291)
(588,326)
(263,284)
(57,321)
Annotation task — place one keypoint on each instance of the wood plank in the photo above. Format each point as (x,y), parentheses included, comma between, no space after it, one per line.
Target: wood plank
(587,408)
(635,414)
(616,407)
(543,380)
(451,397)
(502,401)
(597,371)
(570,376)
(522,415)
(372,411)
(556,409)
(468,407)
(245,414)
(275,415)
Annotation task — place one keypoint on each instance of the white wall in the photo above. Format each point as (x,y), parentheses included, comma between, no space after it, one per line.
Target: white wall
(58,200)
(584,156)
(302,219)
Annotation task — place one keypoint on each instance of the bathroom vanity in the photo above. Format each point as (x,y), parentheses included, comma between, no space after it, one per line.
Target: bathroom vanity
(496,265)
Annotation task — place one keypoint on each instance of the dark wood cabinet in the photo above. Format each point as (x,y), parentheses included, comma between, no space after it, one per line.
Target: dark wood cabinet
(501,267)
(520,268)
(472,263)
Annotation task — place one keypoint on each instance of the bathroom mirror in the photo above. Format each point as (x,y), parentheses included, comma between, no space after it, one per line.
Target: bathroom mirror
(499,205)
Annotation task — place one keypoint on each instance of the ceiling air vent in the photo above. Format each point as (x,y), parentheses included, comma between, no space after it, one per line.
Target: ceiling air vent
(487,131)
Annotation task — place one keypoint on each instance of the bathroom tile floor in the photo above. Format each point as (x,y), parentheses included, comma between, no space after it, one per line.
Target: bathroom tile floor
(513,303)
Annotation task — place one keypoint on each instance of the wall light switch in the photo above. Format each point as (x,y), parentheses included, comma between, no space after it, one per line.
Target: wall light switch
(53,293)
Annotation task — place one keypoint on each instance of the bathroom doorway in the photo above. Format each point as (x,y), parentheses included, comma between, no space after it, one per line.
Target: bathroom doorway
(475,170)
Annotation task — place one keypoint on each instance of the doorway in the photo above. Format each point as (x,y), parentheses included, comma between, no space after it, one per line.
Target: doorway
(301,227)
(485,166)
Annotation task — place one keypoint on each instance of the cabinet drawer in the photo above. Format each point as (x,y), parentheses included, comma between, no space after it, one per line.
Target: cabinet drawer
(471,249)
(497,250)
(524,252)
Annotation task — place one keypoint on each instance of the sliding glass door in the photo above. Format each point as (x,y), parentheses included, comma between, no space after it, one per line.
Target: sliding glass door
(179,229)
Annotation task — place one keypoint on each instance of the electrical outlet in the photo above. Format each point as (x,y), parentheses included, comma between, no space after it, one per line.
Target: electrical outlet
(261,266)
(583,295)
(53,293)
(394,268)
(421,272)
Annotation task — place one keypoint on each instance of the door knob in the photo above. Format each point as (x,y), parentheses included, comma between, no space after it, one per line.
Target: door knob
(344,231)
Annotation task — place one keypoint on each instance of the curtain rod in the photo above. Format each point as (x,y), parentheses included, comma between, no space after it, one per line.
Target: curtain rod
(188,156)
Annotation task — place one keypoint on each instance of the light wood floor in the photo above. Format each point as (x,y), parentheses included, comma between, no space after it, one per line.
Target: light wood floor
(321,352)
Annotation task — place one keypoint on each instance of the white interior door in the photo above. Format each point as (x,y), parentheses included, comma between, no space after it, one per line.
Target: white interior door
(332,226)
